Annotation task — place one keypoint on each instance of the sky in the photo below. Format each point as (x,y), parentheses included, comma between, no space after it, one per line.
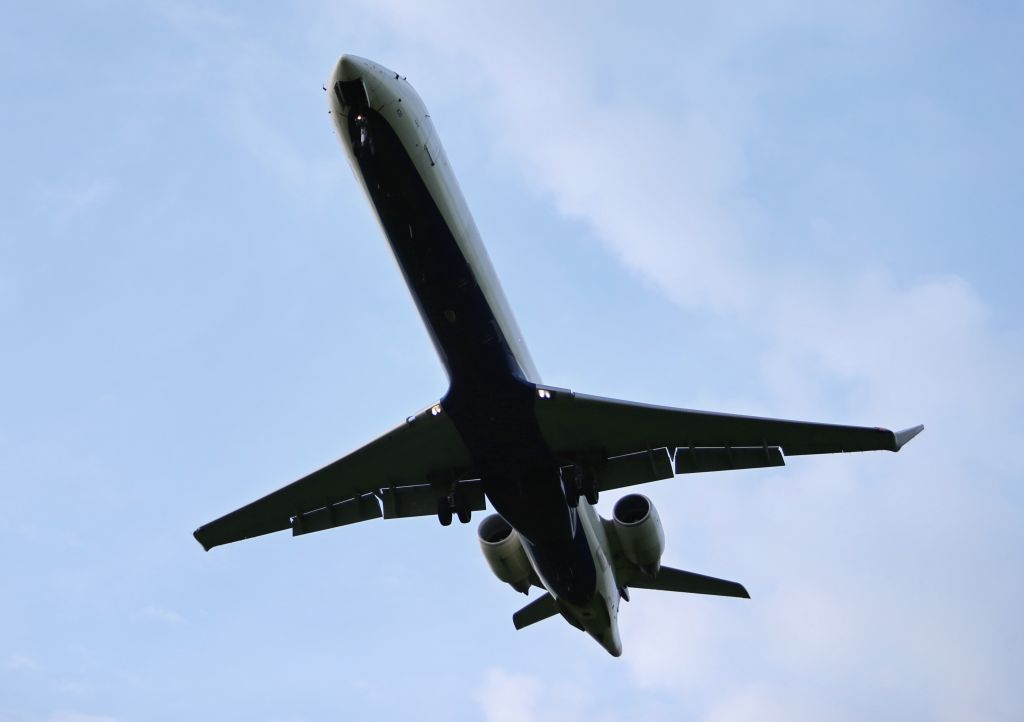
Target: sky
(797,209)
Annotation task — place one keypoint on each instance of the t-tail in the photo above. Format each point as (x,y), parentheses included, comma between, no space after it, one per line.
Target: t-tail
(627,552)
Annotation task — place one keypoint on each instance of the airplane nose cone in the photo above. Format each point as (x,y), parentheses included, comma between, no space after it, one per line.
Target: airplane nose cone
(351,67)
(349,82)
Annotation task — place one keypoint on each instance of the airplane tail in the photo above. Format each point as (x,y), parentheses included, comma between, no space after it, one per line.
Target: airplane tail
(666,579)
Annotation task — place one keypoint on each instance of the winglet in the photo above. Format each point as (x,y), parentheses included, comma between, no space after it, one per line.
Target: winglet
(200,537)
(902,437)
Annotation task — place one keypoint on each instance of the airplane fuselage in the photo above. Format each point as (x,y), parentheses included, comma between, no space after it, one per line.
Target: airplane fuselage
(540,455)
(390,140)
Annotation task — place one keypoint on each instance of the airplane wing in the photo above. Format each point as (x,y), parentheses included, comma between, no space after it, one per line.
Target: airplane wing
(577,426)
(397,467)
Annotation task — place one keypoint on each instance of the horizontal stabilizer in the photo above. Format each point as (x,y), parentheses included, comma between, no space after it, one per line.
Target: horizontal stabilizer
(676,580)
(538,610)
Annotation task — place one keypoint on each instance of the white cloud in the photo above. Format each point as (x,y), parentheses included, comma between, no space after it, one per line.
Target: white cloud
(194,18)
(862,555)
(510,697)
(241,82)
(163,615)
(70,716)
(767,704)
(72,200)
(19,662)
(73,688)
(507,697)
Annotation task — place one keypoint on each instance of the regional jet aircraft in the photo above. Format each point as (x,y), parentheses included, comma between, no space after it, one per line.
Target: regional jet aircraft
(539,454)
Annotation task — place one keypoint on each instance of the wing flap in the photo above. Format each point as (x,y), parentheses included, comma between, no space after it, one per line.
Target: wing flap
(692,460)
(350,511)
(421,500)
(638,468)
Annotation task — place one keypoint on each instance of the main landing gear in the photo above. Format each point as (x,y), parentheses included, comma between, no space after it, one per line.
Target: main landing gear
(454,504)
(578,482)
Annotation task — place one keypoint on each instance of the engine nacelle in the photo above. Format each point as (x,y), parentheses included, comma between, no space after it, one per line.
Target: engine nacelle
(638,528)
(504,552)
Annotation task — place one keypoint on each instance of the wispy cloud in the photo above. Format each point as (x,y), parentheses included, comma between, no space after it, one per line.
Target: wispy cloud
(511,697)
(665,193)
(73,688)
(162,615)
(194,18)
(74,199)
(16,662)
(508,697)
(241,82)
(768,704)
(71,716)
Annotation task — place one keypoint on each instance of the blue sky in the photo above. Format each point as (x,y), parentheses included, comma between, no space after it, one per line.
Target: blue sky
(796,209)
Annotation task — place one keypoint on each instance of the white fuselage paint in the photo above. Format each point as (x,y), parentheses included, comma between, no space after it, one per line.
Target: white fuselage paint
(396,100)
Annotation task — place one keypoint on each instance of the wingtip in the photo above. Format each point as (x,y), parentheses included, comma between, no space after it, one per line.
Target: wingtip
(198,536)
(902,438)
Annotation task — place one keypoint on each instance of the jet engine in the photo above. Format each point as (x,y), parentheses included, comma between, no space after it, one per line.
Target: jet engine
(638,529)
(504,553)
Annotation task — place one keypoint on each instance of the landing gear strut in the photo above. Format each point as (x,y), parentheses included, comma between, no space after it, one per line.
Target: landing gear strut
(579,481)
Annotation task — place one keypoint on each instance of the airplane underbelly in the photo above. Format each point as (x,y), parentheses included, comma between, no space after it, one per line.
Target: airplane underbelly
(449,297)
(491,398)
(566,567)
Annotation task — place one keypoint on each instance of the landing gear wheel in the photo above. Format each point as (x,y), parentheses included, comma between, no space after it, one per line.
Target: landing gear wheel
(591,495)
(444,511)
(460,504)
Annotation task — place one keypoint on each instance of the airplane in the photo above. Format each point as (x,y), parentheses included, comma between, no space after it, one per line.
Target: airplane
(539,454)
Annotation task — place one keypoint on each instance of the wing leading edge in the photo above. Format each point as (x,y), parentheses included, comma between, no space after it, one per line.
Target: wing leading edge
(404,467)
